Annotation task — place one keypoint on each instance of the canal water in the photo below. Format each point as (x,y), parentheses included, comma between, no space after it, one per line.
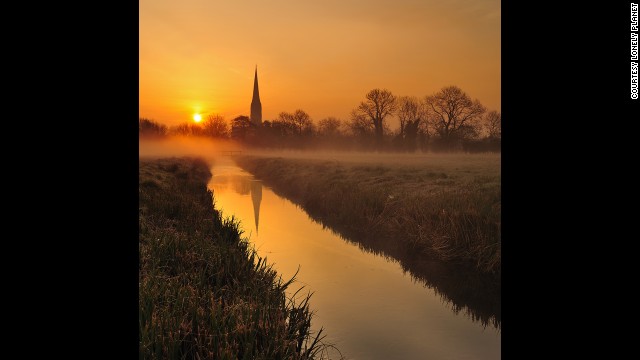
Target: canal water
(367,305)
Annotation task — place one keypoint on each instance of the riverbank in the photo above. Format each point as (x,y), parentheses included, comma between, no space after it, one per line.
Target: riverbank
(203,292)
(444,207)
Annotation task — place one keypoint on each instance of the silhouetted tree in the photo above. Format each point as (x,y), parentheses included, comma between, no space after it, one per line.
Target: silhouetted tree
(300,120)
(361,130)
(411,114)
(378,105)
(334,133)
(241,127)
(360,126)
(283,129)
(187,129)
(272,133)
(424,136)
(329,127)
(493,124)
(216,126)
(492,135)
(150,128)
(453,115)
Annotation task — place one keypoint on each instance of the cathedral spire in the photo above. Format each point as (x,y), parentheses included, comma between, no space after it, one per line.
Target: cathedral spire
(256,106)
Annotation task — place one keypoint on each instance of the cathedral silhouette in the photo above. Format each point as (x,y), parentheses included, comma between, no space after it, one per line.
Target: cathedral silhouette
(256,106)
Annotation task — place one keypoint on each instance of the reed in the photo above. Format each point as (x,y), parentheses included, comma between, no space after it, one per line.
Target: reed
(203,291)
(440,207)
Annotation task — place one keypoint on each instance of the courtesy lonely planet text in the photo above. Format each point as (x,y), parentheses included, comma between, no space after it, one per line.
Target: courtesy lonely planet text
(634,51)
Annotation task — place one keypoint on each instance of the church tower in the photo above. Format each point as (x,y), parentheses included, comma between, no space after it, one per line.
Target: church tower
(256,106)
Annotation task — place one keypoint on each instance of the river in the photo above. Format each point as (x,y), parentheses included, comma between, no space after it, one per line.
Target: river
(367,305)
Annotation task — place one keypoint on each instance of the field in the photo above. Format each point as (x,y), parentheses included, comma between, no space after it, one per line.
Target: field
(434,206)
(203,292)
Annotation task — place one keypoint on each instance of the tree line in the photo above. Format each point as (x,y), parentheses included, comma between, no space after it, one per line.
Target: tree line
(448,120)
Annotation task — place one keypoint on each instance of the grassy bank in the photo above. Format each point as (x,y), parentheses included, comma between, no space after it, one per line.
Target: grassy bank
(203,292)
(444,207)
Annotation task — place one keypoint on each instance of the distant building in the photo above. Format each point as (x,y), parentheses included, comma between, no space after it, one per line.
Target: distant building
(256,106)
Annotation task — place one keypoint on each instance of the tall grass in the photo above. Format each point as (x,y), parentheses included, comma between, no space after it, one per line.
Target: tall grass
(203,292)
(447,213)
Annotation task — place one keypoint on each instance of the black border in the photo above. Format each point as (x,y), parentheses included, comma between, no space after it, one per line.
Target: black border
(87,158)
(567,107)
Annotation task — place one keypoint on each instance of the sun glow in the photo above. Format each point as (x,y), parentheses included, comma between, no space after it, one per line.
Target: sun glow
(197,118)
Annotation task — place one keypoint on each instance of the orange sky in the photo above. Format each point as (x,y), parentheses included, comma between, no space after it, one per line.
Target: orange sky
(319,56)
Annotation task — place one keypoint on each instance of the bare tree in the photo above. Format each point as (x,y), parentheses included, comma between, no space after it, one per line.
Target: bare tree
(360,125)
(453,114)
(147,127)
(300,120)
(493,124)
(411,114)
(283,126)
(216,126)
(187,129)
(378,105)
(329,127)
(241,127)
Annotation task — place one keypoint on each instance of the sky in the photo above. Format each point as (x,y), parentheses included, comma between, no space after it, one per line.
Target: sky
(322,56)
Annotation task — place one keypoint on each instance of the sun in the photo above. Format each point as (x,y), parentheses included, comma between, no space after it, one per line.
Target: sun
(197,117)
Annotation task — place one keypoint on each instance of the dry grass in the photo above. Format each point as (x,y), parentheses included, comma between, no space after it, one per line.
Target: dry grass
(441,206)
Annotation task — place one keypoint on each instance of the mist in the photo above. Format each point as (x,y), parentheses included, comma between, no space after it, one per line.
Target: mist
(210,149)
(178,146)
